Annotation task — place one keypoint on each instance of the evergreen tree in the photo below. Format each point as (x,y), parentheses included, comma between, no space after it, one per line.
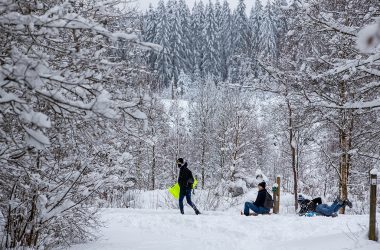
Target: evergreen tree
(197,24)
(268,43)
(225,48)
(240,61)
(187,39)
(149,32)
(255,22)
(175,40)
(149,24)
(218,37)
(163,62)
(241,30)
(210,50)
(280,22)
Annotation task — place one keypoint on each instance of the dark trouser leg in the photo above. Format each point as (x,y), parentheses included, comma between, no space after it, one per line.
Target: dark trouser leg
(181,197)
(248,206)
(327,210)
(324,209)
(188,200)
(188,197)
(336,206)
(263,210)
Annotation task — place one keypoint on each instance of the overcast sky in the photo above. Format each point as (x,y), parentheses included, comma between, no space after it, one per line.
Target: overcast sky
(144,4)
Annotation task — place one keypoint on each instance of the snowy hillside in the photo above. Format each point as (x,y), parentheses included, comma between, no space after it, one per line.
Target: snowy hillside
(135,229)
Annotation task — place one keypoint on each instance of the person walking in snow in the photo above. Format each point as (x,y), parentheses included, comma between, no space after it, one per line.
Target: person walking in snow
(185,181)
(258,206)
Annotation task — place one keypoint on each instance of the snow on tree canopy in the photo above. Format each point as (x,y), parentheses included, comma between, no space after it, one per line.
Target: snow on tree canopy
(369,37)
(374,171)
(260,176)
(37,118)
(36,138)
(104,105)
(61,76)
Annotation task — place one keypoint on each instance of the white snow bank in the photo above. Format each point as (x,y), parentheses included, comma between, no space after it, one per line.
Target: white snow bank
(204,199)
(162,199)
(167,229)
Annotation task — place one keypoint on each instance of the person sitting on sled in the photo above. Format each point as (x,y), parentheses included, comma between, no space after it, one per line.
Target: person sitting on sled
(258,206)
(316,206)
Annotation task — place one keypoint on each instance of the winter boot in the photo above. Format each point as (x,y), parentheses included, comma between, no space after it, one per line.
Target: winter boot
(347,203)
(196,210)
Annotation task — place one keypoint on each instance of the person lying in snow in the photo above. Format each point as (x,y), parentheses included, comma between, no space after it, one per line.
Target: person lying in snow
(308,207)
(258,207)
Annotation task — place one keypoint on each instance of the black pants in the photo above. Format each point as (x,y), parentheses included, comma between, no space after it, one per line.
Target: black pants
(185,193)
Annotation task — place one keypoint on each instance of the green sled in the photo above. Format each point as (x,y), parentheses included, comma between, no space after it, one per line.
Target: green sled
(174,190)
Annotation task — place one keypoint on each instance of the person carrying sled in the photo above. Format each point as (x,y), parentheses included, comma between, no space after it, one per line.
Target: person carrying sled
(318,207)
(259,206)
(185,181)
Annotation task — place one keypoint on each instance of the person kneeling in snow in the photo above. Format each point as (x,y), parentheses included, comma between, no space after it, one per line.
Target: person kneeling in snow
(316,206)
(258,206)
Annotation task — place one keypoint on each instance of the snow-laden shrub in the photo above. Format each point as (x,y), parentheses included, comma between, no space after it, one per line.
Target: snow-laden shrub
(162,199)
(55,92)
(237,187)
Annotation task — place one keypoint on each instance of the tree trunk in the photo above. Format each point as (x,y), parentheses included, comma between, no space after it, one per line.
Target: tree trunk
(344,168)
(345,144)
(153,167)
(138,166)
(203,154)
(203,164)
(293,154)
(235,153)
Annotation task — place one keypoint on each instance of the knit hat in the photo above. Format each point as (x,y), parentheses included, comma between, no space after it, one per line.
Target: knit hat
(262,184)
(300,197)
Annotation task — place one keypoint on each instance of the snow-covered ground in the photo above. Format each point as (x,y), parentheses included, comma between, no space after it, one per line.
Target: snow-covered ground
(134,229)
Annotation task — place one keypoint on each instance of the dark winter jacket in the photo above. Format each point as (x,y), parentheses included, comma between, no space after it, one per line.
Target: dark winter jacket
(307,205)
(185,178)
(261,196)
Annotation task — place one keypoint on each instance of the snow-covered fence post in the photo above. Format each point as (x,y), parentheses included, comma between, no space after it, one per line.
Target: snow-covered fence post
(274,190)
(372,208)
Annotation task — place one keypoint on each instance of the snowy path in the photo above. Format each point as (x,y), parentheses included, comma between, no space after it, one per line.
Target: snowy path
(131,229)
